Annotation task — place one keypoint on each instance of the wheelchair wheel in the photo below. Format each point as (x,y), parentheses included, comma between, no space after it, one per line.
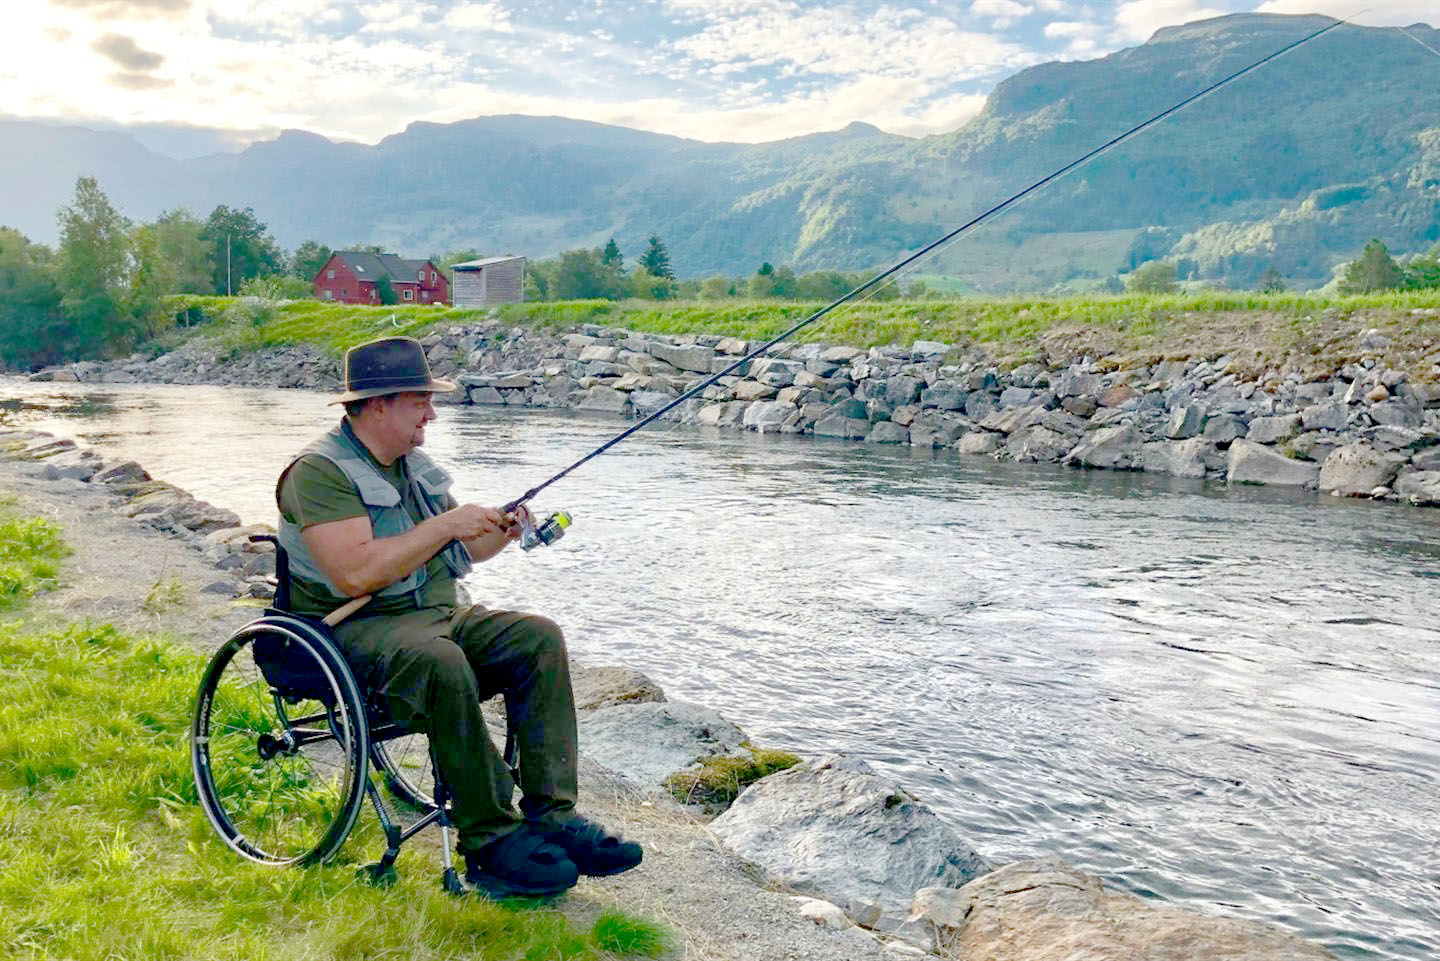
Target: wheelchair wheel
(405,763)
(279,744)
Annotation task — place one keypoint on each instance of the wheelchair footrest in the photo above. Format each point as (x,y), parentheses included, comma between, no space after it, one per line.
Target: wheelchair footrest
(450,881)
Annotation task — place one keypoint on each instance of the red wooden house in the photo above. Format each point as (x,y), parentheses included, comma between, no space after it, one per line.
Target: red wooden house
(352,277)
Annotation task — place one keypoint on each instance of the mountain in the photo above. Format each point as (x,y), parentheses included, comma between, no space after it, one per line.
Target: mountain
(1298,163)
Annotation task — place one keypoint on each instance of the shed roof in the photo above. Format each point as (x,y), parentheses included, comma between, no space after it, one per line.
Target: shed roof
(484,262)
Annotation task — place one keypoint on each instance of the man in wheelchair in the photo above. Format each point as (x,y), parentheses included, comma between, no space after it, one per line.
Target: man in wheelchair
(364,512)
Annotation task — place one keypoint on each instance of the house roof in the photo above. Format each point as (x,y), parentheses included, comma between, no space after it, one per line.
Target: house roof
(484,262)
(372,267)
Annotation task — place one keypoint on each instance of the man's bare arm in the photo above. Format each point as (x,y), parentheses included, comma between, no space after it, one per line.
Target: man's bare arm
(358,562)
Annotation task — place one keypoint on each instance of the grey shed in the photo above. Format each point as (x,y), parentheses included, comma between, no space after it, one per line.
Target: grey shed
(491,280)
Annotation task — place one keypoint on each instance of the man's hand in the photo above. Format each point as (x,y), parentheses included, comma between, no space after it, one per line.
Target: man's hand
(469,521)
(496,531)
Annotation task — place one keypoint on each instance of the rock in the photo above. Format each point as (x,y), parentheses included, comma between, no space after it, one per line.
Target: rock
(1372,339)
(901,390)
(219,587)
(834,828)
(1419,487)
(1117,395)
(1355,470)
(1397,415)
(767,416)
(1274,430)
(643,403)
(1036,445)
(945,398)
(1016,396)
(888,432)
(1331,416)
(599,352)
(486,395)
(749,390)
(1427,460)
(698,359)
(597,687)
(1083,406)
(1184,458)
(835,424)
(1186,421)
(1116,448)
(1223,428)
(824,913)
(1045,910)
(1251,463)
(723,414)
(979,442)
(647,742)
(604,400)
(927,349)
(935,429)
(1377,394)
(128,472)
(1075,383)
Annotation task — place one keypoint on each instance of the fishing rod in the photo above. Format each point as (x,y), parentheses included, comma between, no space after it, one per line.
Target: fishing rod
(554,527)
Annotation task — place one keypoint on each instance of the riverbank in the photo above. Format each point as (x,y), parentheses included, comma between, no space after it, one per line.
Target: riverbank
(1346,403)
(149,564)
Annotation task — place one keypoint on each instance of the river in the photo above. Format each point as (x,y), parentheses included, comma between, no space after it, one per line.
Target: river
(1228,699)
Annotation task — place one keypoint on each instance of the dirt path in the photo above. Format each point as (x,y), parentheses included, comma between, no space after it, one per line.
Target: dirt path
(147,581)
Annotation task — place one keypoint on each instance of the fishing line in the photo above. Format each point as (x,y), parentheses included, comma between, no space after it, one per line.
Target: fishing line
(1419,41)
(879,279)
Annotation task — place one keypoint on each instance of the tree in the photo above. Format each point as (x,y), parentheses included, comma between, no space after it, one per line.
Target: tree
(822,285)
(1272,281)
(656,259)
(386,291)
(308,258)
(1375,270)
(240,248)
(612,257)
(447,261)
(1423,273)
(718,287)
(648,286)
(31,325)
(1155,277)
(182,252)
(580,275)
(93,267)
(774,282)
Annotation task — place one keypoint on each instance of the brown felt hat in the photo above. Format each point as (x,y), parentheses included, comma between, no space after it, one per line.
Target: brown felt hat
(388,366)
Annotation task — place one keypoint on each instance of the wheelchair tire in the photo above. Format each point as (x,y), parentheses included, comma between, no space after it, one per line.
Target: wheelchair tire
(279,743)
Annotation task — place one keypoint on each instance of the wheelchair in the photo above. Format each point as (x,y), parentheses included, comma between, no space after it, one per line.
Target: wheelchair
(284,741)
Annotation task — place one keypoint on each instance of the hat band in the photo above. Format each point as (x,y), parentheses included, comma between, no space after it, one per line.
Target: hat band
(365,383)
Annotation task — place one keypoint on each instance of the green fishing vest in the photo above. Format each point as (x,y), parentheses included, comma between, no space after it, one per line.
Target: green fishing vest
(388,516)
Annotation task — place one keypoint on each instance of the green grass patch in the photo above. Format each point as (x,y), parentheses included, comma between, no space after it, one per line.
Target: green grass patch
(108,856)
(719,780)
(1003,323)
(30,553)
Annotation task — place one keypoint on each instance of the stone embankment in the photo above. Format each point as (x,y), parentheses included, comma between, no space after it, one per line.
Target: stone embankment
(870,864)
(1363,430)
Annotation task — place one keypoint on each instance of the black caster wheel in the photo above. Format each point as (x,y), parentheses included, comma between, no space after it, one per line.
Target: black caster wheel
(380,874)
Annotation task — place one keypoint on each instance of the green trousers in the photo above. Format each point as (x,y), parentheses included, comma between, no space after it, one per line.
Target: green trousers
(434,667)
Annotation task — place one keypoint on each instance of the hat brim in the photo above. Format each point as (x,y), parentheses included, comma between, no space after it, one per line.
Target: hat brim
(434,386)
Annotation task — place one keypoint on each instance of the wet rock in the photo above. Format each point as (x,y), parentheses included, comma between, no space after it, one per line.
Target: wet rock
(1420,487)
(1045,910)
(767,416)
(888,432)
(1115,448)
(1036,445)
(1355,470)
(647,742)
(486,395)
(834,828)
(597,687)
(727,414)
(1183,458)
(936,429)
(1251,463)
(127,472)
(836,424)
(979,442)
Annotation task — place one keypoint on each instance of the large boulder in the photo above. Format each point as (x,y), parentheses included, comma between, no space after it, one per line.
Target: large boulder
(1181,458)
(597,687)
(836,424)
(1274,430)
(1185,422)
(1045,910)
(834,828)
(767,416)
(1355,470)
(1036,445)
(1252,463)
(936,429)
(604,400)
(1116,448)
(647,742)
(698,359)
(1420,487)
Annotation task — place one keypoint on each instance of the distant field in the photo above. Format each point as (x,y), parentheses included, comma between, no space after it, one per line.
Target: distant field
(1269,329)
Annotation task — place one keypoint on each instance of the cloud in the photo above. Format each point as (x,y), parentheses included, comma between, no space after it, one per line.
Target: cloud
(1370,13)
(126,53)
(1001,13)
(1139,19)
(126,8)
(139,81)
(479,17)
(1084,38)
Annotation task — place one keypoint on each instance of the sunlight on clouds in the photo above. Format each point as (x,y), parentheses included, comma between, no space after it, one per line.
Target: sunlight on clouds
(1139,19)
(1370,13)
(1001,13)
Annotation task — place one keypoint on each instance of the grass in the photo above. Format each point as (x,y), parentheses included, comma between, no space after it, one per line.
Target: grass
(719,780)
(107,855)
(1017,328)
(30,553)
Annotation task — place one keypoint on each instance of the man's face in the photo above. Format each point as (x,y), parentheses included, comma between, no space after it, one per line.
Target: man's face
(403,418)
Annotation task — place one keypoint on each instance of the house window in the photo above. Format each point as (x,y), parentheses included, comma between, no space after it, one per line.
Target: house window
(409,294)
(329,294)
(432,276)
(420,276)
(330,274)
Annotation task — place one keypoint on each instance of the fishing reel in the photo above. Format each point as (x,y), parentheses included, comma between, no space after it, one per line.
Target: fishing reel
(547,532)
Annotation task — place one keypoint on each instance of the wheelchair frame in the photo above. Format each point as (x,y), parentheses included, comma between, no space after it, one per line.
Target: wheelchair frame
(283,740)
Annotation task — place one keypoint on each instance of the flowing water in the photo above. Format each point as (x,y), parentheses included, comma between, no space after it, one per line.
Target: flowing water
(1227,699)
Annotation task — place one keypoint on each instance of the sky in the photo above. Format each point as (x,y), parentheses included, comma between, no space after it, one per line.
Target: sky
(193,76)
